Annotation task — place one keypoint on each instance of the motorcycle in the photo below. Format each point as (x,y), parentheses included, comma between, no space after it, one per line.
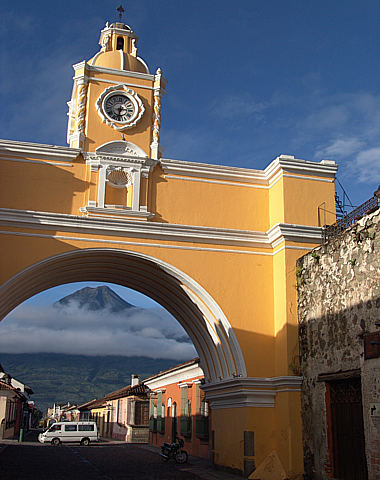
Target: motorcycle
(174,450)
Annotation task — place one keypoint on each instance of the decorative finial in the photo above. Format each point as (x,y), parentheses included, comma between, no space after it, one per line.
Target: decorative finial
(121,10)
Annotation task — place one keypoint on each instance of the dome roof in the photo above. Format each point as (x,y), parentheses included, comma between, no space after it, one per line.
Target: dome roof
(119,60)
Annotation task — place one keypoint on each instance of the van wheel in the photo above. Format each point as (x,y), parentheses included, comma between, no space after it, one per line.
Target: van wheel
(85,442)
(56,442)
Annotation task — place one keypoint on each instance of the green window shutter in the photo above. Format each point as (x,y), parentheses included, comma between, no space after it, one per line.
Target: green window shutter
(160,417)
(184,401)
(159,403)
(197,398)
(185,421)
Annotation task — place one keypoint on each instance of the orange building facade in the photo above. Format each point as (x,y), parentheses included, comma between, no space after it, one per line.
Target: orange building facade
(178,408)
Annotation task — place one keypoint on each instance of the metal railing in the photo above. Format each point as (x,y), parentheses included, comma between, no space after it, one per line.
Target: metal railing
(332,231)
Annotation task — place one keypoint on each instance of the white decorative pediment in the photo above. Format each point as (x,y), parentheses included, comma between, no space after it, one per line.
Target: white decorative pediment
(119,164)
(121,148)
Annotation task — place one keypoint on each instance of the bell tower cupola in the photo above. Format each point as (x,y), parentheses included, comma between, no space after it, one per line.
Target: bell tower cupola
(115,97)
(115,119)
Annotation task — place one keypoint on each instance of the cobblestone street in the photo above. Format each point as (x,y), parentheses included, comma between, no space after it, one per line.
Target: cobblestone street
(101,461)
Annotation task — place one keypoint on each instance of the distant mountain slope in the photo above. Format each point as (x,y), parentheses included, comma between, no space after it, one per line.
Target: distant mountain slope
(94,299)
(77,378)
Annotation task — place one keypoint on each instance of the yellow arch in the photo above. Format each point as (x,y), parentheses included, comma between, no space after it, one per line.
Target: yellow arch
(201,317)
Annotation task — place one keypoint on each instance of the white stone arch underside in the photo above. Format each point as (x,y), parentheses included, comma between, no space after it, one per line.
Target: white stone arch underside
(204,321)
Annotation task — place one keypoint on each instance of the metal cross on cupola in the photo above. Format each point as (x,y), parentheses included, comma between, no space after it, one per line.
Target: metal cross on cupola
(121,10)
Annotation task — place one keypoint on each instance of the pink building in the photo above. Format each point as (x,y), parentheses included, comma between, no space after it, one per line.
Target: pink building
(12,404)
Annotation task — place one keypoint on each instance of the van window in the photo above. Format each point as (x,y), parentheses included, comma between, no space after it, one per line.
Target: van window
(70,428)
(86,428)
(55,428)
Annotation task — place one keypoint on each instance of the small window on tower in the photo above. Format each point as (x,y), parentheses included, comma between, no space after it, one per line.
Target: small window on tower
(120,43)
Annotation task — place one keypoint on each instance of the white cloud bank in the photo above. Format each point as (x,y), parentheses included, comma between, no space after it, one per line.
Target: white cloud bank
(136,332)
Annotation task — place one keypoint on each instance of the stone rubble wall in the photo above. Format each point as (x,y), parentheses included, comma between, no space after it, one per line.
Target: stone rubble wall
(338,302)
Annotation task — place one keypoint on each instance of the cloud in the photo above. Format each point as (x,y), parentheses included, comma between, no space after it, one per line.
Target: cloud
(332,116)
(366,166)
(148,332)
(340,148)
(238,106)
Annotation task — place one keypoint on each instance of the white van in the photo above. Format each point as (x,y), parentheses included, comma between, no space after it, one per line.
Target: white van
(83,432)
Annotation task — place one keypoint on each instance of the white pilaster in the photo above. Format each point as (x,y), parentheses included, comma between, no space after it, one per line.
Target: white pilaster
(102,185)
(136,182)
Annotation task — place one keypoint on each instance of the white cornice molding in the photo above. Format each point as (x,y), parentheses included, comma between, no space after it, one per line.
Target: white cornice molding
(112,71)
(249,391)
(289,164)
(294,233)
(107,221)
(110,159)
(280,166)
(180,374)
(114,82)
(217,172)
(80,65)
(14,148)
(118,212)
(43,162)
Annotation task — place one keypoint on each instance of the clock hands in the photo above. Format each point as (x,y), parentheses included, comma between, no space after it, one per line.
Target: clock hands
(119,108)
(123,109)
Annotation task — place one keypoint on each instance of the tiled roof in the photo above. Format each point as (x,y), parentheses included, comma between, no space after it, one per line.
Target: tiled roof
(5,386)
(95,403)
(128,391)
(139,389)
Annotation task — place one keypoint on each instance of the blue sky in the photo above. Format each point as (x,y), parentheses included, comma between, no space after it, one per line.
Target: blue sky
(247,80)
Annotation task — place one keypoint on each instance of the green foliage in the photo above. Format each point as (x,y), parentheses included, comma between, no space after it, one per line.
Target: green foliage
(58,378)
(352,261)
(300,277)
(315,256)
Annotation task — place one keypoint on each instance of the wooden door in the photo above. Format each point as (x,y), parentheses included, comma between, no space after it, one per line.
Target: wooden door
(347,429)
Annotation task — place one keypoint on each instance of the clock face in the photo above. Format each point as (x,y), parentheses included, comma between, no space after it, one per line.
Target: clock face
(119,107)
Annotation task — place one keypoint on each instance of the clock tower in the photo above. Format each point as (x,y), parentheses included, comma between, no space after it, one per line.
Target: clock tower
(115,97)
(114,118)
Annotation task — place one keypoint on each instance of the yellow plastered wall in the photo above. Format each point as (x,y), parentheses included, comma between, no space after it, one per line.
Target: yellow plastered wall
(276,202)
(209,204)
(288,432)
(117,196)
(44,186)
(97,133)
(302,197)
(229,426)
